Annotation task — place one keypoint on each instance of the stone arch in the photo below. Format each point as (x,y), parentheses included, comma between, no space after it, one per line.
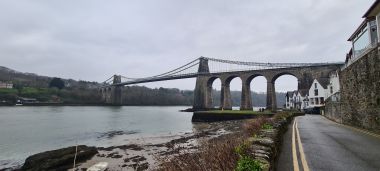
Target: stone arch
(271,88)
(277,75)
(246,96)
(225,98)
(209,94)
(227,79)
(211,80)
(249,78)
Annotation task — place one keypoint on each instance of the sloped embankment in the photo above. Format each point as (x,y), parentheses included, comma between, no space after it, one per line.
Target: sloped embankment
(254,148)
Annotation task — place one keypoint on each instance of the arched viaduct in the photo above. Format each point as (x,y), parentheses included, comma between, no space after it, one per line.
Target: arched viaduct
(203,89)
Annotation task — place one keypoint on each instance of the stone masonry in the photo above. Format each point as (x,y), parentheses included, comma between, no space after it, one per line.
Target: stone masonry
(203,88)
(113,94)
(360,92)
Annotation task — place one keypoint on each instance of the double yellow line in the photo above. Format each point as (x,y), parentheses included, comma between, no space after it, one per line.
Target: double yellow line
(296,135)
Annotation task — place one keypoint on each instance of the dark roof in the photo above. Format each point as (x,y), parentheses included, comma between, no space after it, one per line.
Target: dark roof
(324,82)
(289,94)
(373,6)
(304,92)
(295,92)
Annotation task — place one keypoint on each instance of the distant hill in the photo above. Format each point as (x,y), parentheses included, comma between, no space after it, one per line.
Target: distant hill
(25,79)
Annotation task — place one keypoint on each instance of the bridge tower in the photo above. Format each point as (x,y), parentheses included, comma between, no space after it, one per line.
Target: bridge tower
(113,94)
(202,96)
(117,92)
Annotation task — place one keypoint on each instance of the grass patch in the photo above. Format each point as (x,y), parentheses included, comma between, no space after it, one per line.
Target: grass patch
(246,163)
(267,126)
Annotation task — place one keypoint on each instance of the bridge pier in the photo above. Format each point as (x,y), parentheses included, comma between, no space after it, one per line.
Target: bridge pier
(225,98)
(246,99)
(271,96)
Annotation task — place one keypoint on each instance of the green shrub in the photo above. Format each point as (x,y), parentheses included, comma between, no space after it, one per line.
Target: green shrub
(246,163)
(267,126)
(241,150)
(8,91)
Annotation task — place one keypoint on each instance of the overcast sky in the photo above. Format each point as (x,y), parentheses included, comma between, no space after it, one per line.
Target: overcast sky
(93,39)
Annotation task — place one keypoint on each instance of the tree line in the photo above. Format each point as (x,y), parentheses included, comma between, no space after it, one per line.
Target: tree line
(49,89)
(139,95)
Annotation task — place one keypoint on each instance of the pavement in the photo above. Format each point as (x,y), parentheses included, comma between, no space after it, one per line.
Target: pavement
(313,142)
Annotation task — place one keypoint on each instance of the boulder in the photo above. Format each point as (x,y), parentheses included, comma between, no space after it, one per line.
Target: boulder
(57,160)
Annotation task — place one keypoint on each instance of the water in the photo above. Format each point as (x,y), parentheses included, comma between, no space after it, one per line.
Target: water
(28,130)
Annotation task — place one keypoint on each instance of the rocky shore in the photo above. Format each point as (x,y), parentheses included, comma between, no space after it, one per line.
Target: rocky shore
(139,156)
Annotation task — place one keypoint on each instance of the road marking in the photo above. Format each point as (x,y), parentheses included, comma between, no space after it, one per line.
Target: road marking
(294,151)
(302,153)
(356,129)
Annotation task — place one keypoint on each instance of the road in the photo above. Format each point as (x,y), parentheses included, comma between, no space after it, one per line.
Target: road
(326,145)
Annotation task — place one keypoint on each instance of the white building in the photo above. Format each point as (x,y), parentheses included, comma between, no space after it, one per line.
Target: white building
(318,93)
(334,86)
(315,96)
(289,100)
(296,100)
(6,85)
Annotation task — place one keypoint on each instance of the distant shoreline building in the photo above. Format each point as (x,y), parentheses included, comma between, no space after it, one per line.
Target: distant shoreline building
(6,85)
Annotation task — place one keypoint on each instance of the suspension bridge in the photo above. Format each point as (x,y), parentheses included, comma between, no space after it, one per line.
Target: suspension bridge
(207,69)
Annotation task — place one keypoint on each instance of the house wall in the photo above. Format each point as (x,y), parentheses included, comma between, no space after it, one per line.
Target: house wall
(287,103)
(360,93)
(312,97)
(334,84)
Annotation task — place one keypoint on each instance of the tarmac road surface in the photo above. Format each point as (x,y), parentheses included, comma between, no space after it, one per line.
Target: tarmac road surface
(313,142)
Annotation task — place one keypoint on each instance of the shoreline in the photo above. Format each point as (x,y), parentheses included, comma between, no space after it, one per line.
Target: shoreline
(144,154)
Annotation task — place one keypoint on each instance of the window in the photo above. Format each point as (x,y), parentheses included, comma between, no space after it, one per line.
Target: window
(317,101)
(315,85)
(316,92)
(322,100)
(331,90)
(361,42)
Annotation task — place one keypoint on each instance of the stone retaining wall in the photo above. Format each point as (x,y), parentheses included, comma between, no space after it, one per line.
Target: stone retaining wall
(360,92)
(333,111)
(266,145)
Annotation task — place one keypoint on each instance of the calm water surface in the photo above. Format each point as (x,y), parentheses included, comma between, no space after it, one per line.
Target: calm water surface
(28,130)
